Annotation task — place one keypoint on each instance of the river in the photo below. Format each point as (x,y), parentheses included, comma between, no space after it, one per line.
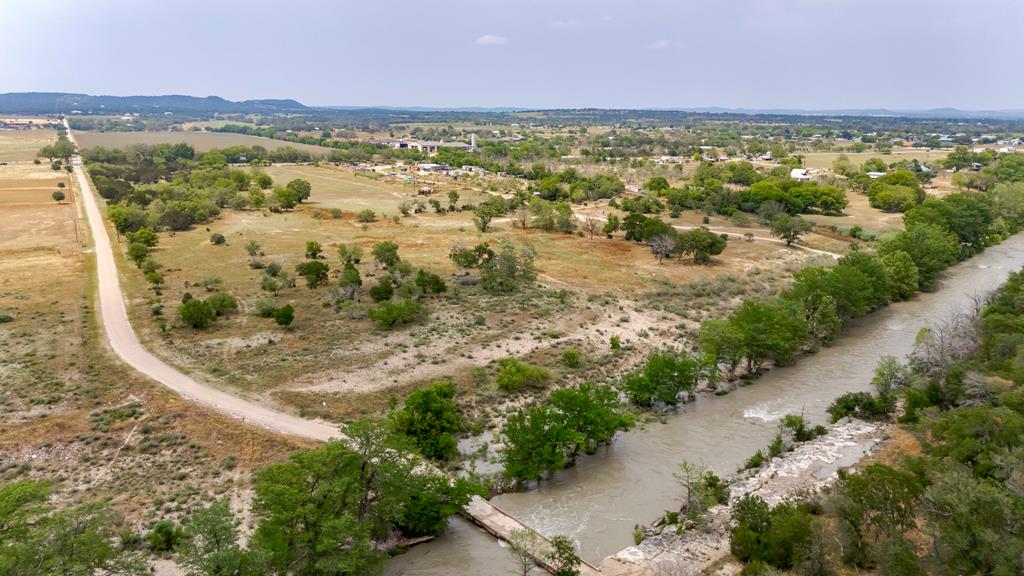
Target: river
(599,500)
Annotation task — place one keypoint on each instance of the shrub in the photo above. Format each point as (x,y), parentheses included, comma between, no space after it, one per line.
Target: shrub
(143,236)
(383,290)
(515,375)
(430,283)
(265,309)
(755,460)
(138,252)
(284,315)
(196,313)
(314,272)
(861,405)
(366,216)
(164,537)
(776,536)
(217,239)
(222,303)
(390,314)
(572,358)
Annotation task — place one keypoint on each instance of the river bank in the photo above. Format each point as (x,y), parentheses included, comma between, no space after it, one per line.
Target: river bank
(598,501)
(809,467)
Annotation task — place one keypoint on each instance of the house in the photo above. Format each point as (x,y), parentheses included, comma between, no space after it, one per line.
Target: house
(875,175)
(802,174)
(474,170)
(429,167)
(1007,150)
(425,191)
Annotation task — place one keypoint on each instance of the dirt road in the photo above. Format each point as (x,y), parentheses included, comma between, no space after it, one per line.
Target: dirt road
(126,345)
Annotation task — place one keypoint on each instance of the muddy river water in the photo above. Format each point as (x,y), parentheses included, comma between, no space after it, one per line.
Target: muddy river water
(599,500)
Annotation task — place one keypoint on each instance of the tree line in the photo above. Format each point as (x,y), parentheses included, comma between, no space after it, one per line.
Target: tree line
(953,508)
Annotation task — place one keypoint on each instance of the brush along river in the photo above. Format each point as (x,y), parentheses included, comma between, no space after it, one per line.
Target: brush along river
(598,501)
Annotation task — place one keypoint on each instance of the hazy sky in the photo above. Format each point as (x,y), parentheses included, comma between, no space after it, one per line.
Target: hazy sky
(526,53)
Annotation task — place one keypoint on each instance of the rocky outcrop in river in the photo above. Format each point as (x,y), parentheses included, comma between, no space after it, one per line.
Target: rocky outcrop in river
(810,466)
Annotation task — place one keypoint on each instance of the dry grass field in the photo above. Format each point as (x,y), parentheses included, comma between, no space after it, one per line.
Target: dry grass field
(202,141)
(22,145)
(860,213)
(70,413)
(825,159)
(339,365)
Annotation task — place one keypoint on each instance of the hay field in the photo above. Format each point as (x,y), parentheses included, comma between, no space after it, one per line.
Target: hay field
(202,141)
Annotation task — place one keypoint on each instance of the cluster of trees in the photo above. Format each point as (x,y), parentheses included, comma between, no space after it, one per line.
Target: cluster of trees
(665,241)
(492,155)
(198,313)
(953,509)
(664,377)
(750,192)
(400,291)
(62,149)
(897,191)
(939,232)
(327,511)
(757,332)
(549,436)
(163,187)
(570,185)
(501,272)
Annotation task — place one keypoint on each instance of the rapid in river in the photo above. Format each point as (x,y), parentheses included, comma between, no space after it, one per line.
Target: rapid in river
(598,501)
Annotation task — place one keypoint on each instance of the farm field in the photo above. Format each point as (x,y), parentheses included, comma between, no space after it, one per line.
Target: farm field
(22,145)
(339,364)
(202,141)
(71,413)
(29,217)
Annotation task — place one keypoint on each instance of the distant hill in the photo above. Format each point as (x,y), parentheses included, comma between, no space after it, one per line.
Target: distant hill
(60,102)
(936,113)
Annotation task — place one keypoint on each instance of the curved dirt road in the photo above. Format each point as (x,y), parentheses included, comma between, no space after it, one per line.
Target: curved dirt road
(126,345)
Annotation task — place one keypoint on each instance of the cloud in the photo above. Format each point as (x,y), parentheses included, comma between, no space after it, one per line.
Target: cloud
(491,40)
(659,45)
(565,24)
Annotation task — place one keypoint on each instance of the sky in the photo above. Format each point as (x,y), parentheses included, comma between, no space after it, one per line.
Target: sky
(810,54)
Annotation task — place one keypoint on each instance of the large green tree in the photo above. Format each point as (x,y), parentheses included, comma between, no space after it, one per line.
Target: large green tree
(931,248)
(430,418)
(78,541)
